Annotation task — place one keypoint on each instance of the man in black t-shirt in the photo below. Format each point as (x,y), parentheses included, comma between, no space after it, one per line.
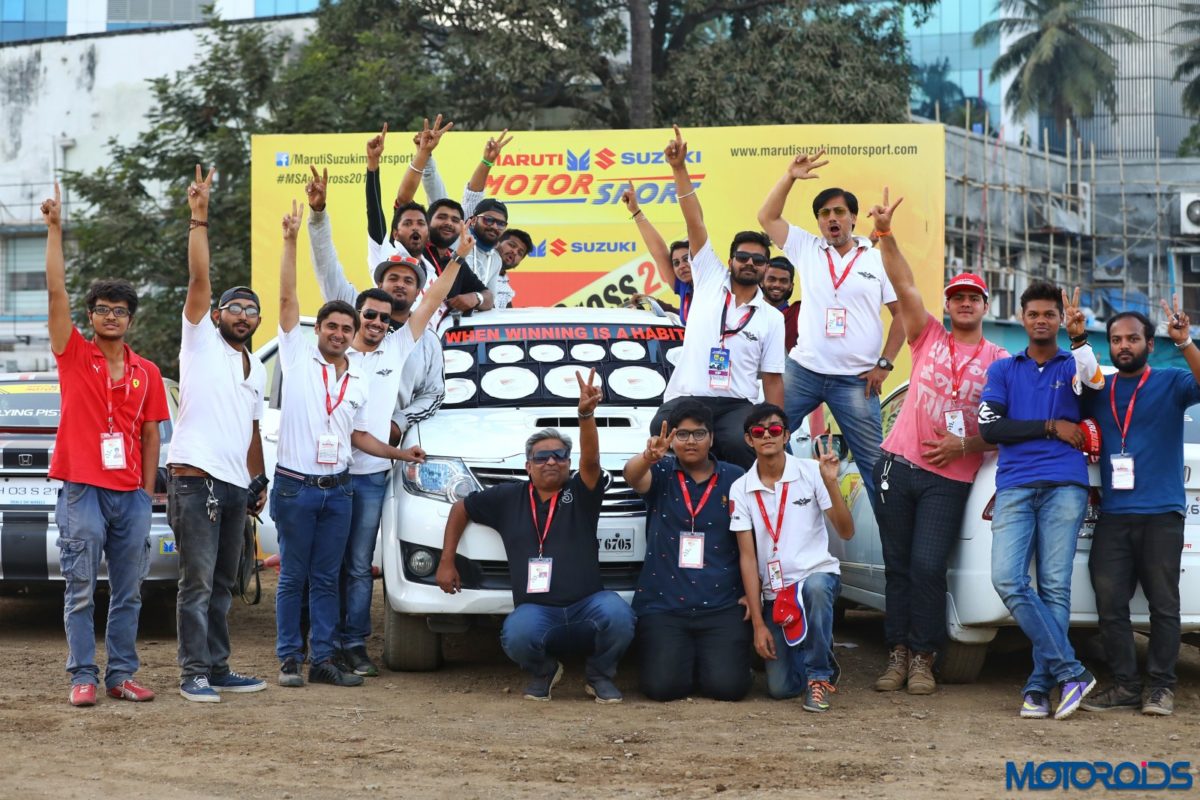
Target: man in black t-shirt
(548,526)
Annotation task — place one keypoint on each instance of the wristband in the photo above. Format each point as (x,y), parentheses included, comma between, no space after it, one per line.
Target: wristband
(581,415)
(414,169)
(197,223)
(1183,345)
(683,196)
(636,214)
(488,163)
(883,233)
(479,297)
(963,441)
(1080,339)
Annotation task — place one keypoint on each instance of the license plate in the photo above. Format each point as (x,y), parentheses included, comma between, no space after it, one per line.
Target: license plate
(29,491)
(616,543)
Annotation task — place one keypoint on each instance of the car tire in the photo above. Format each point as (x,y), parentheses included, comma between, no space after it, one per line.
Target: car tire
(961,663)
(408,644)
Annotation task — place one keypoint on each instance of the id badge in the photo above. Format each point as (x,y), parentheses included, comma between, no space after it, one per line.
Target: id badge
(956,424)
(691,550)
(112,450)
(539,575)
(835,322)
(775,575)
(327,448)
(718,368)
(1122,472)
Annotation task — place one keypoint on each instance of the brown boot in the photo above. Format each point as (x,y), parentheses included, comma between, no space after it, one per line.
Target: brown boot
(896,674)
(920,674)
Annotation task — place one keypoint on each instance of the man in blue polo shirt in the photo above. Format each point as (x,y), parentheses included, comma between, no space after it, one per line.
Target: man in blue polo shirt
(692,634)
(1139,536)
(1030,407)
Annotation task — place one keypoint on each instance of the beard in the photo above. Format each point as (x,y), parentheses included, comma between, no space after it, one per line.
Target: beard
(745,278)
(439,241)
(1136,361)
(232,336)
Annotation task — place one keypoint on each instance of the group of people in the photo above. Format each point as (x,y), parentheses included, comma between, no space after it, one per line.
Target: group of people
(737,527)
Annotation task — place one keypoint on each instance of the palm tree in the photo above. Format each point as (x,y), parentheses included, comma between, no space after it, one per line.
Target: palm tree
(1189,52)
(1059,56)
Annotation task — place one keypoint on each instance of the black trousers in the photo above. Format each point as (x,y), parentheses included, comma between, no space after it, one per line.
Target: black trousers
(705,653)
(920,515)
(729,417)
(1128,549)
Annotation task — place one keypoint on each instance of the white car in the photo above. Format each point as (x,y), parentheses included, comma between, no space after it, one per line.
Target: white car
(508,373)
(974,612)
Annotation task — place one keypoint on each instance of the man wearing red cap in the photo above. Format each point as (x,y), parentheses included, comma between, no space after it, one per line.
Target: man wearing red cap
(929,460)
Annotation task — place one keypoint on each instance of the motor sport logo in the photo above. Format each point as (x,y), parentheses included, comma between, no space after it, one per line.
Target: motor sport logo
(1123,776)
(534,179)
(560,247)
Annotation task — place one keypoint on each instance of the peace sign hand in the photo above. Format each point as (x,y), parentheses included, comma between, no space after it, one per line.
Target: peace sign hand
(491,150)
(629,198)
(676,150)
(882,214)
(589,395)
(375,149)
(291,222)
(198,192)
(1179,326)
(828,460)
(1072,316)
(315,189)
(802,166)
(52,209)
(429,138)
(657,446)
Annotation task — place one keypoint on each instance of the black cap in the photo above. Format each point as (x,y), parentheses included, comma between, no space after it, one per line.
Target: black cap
(238,293)
(491,204)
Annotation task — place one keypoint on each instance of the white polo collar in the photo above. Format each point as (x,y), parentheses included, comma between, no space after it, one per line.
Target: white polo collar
(791,472)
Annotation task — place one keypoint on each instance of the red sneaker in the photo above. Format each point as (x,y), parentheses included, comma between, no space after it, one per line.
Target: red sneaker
(131,690)
(83,694)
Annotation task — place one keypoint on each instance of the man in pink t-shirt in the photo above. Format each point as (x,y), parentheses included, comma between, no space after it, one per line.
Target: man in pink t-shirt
(929,461)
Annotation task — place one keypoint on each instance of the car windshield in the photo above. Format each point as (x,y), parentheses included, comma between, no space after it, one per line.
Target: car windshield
(29,406)
(536,364)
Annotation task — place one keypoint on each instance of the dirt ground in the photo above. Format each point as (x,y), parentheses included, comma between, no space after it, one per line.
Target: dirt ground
(465,732)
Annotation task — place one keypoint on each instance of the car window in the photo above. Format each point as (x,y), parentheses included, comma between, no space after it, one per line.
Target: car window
(535,364)
(29,405)
(269,356)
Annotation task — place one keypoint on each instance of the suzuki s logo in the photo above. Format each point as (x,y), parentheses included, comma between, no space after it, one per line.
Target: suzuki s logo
(579,163)
(558,247)
(604,158)
(25,460)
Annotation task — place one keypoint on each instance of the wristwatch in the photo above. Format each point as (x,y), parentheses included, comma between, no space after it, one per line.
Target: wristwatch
(883,363)
(479,297)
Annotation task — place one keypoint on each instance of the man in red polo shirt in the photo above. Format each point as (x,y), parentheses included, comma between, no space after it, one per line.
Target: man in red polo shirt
(106,455)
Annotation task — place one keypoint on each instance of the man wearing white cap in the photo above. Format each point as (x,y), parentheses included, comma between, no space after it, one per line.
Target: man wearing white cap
(929,460)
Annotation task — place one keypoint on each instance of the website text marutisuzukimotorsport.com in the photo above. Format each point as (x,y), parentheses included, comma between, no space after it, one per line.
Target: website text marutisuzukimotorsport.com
(868,150)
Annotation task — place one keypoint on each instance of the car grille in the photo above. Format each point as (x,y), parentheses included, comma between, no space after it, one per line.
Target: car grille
(619,500)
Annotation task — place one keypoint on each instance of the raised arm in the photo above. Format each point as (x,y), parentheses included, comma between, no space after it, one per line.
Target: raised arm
(770,216)
(427,141)
(199,293)
(637,469)
(685,192)
(650,235)
(1087,368)
(377,221)
(589,438)
(437,291)
(478,182)
(1179,328)
(331,276)
(838,512)
(56,274)
(912,308)
(289,302)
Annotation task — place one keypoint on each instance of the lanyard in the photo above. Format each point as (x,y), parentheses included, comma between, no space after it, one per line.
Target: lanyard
(837,282)
(956,378)
(687,498)
(329,404)
(685,305)
(108,386)
(775,532)
(1112,396)
(726,331)
(542,533)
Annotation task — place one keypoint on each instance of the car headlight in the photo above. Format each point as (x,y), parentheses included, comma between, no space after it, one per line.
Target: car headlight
(421,563)
(445,479)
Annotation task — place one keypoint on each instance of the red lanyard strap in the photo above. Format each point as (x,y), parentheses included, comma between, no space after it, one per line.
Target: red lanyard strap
(775,532)
(1112,396)
(687,498)
(108,386)
(329,405)
(726,331)
(542,533)
(837,282)
(956,378)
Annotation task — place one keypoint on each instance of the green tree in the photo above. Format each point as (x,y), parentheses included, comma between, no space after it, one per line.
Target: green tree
(1059,56)
(1189,55)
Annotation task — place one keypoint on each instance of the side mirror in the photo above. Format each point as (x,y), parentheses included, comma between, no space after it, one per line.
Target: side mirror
(839,446)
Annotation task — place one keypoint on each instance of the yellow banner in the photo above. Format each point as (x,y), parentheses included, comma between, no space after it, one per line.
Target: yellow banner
(564,189)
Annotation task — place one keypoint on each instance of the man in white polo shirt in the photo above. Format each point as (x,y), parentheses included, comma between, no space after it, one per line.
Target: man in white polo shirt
(324,416)
(215,449)
(840,357)
(734,337)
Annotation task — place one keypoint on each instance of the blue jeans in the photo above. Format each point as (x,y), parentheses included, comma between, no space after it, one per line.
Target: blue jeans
(603,617)
(788,675)
(357,582)
(94,522)
(1044,522)
(313,526)
(857,415)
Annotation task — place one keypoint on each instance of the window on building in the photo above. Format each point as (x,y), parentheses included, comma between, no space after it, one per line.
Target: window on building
(23,276)
(124,14)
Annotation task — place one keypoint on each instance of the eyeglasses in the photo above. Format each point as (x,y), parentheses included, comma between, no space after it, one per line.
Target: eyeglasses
(757,258)
(697,435)
(382,316)
(494,222)
(837,211)
(117,311)
(761,432)
(560,455)
(678,262)
(237,308)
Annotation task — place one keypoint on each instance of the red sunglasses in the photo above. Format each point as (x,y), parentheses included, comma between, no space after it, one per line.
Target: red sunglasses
(760,431)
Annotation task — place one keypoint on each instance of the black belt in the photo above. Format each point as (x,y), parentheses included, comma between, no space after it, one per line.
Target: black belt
(319,481)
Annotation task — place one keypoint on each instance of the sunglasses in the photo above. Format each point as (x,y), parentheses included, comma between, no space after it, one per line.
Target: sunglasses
(237,308)
(836,211)
(761,431)
(494,222)
(697,435)
(678,262)
(560,455)
(758,259)
(104,311)
(382,316)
